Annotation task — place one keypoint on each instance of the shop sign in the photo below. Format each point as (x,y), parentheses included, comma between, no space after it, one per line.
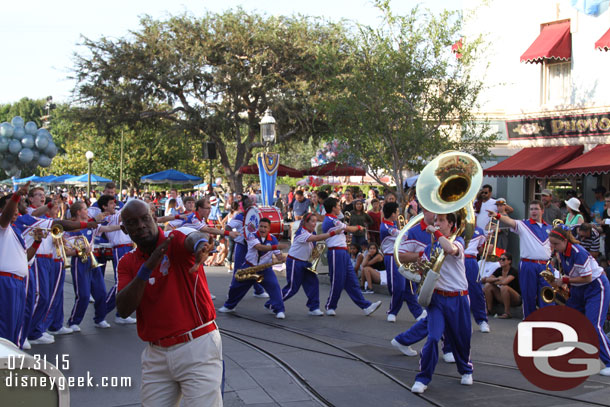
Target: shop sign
(559,127)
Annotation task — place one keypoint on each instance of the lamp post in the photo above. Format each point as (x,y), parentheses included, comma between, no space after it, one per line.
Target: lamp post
(267,124)
(89,156)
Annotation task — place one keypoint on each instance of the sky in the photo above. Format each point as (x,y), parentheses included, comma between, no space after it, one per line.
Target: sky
(40,37)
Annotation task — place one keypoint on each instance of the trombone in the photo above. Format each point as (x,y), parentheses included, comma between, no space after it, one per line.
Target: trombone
(491,244)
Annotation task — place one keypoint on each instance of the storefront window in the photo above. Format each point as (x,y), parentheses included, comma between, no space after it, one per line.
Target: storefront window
(557,82)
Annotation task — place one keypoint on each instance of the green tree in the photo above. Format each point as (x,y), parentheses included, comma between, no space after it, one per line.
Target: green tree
(402,96)
(213,78)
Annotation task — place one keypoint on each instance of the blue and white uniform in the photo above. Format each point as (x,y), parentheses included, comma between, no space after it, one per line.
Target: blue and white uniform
(237,223)
(87,282)
(54,319)
(121,244)
(475,289)
(95,210)
(591,299)
(535,251)
(448,314)
(13,276)
(340,269)
(400,290)
(255,257)
(39,282)
(296,270)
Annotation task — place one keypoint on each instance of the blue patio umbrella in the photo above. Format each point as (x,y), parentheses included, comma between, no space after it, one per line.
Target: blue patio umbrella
(82,180)
(60,179)
(47,179)
(170,177)
(32,178)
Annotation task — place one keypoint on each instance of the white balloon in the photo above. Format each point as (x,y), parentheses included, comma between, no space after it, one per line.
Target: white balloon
(6,130)
(30,128)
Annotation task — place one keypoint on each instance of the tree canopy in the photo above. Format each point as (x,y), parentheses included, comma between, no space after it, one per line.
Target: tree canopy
(213,78)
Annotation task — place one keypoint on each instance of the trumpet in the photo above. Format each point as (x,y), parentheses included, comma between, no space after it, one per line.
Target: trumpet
(82,246)
(401,221)
(57,231)
(346,217)
(251,273)
(316,255)
(558,295)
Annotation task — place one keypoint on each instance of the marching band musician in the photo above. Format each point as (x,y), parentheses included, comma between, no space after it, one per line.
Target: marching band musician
(399,289)
(297,263)
(475,290)
(262,246)
(588,284)
(535,250)
(238,224)
(87,280)
(340,269)
(449,309)
(164,282)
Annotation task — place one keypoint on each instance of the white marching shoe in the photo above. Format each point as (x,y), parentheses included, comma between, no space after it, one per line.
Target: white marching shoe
(418,387)
(64,330)
(43,340)
(407,350)
(75,328)
(422,316)
(225,309)
(102,324)
(261,295)
(605,371)
(391,318)
(280,315)
(484,327)
(331,312)
(466,379)
(26,345)
(372,308)
(448,357)
(316,312)
(124,321)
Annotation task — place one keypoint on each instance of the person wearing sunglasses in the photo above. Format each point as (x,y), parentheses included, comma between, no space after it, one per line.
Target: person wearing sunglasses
(503,287)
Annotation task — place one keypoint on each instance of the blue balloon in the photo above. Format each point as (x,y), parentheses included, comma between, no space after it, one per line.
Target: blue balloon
(5,164)
(10,158)
(41,142)
(17,121)
(26,155)
(27,141)
(36,155)
(3,144)
(30,128)
(44,161)
(14,146)
(18,133)
(6,130)
(43,132)
(51,150)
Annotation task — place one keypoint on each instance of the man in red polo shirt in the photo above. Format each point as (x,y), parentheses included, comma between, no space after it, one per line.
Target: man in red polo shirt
(164,282)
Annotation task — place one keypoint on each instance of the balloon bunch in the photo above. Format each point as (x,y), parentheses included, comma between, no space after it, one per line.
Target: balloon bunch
(328,153)
(314,181)
(24,146)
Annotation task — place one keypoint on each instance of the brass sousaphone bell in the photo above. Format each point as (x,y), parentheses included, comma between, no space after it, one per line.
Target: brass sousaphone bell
(449,183)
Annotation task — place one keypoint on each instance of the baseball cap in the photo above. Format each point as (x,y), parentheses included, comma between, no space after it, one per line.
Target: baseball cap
(547,192)
(213,200)
(599,190)
(500,201)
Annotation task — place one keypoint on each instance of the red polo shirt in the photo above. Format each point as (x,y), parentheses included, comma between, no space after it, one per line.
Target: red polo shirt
(175,301)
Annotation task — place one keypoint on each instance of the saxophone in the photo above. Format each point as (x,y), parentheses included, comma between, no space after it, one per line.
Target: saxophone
(251,273)
(558,295)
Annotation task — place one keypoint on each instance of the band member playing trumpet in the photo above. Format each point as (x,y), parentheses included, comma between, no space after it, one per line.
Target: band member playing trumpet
(298,262)
(535,251)
(340,270)
(588,285)
(262,246)
(449,309)
(88,280)
(400,289)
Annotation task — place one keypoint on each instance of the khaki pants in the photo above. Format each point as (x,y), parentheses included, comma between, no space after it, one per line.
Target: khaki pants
(191,371)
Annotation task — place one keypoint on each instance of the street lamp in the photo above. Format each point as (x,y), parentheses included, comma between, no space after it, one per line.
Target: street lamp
(89,156)
(267,124)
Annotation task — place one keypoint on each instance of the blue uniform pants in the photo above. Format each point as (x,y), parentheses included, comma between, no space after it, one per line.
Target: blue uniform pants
(592,300)
(531,284)
(30,299)
(87,282)
(240,263)
(451,316)
(239,288)
(342,276)
(400,289)
(117,253)
(416,333)
(296,274)
(475,291)
(43,270)
(12,300)
(54,319)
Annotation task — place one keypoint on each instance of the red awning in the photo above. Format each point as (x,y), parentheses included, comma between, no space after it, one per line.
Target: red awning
(603,44)
(282,171)
(335,169)
(595,161)
(534,161)
(554,42)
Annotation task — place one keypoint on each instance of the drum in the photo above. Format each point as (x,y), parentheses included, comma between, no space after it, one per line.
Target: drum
(275,216)
(102,252)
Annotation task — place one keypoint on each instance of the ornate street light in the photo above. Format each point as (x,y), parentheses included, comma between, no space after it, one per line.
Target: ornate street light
(267,124)
(89,156)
